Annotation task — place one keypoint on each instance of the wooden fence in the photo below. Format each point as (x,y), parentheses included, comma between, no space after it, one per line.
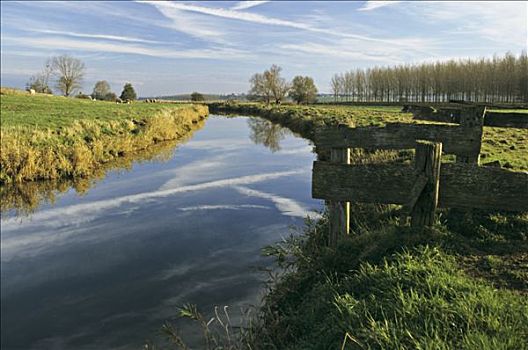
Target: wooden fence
(452,115)
(420,188)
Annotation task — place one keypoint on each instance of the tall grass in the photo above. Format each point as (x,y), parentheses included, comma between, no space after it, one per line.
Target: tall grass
(389,288)
(25,197)
(70,139)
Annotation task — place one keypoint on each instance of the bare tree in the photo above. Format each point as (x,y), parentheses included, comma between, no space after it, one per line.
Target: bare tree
(259,88)
(278,86)
(336,85)
(40,82)
(101,90)
(497,79)
(69,72)
(269,85)
(347,80)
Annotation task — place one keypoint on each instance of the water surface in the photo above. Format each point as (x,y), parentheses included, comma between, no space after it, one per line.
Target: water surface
(105,269)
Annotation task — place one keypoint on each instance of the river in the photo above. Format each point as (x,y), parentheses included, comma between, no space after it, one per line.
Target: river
(106,268)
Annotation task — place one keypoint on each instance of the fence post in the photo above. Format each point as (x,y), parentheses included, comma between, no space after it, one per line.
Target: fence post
(472,119)
(427,164)
(339,212)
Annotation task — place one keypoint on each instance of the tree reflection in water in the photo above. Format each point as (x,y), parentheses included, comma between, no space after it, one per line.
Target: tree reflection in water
(266,133)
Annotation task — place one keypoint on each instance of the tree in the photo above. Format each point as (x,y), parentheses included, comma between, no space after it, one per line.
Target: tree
(496,79)
(40,82)
(101,90)
(266,133)
(336,84)
(303,90)
(278,86)
(197,97)
(259,89)
(269,85)
(69,72)
(128,93)
(110,97)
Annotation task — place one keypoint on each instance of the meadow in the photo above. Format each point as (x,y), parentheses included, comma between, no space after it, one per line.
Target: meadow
(49,137)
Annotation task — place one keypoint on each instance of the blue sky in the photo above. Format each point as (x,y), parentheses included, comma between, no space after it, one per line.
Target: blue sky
(167,48)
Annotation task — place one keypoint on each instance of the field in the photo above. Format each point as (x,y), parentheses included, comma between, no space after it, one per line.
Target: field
(50,137)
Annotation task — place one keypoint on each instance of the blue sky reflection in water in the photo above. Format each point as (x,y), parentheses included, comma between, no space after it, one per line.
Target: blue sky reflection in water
(105,269)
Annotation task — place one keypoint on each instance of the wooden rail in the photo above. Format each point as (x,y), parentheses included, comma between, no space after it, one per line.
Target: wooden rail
(420,188)
(461,185)
(463,140)
(452,115)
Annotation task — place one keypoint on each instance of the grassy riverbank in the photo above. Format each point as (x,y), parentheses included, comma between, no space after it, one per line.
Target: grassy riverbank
(507,145)
(386,287)
(462,284)
(50,137)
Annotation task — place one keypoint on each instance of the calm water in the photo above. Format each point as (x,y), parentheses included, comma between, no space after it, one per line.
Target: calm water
(106,269)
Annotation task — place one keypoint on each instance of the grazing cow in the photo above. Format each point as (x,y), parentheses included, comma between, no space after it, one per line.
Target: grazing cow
(32,91)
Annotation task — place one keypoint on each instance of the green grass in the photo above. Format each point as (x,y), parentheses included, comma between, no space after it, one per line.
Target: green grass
(49,137)
(55,112)
(507,145)
(461,284)
(521,111)
(388,287)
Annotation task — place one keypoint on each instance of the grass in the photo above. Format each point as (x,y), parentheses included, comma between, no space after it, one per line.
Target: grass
(507,145)
(388,287)
(462,284)
(25,197)
(458,285)
(522,111)
(49,137)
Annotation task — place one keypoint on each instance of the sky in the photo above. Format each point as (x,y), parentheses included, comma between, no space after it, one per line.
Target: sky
(167,48)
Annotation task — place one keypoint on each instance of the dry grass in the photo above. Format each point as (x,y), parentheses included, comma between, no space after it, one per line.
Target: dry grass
(46,138)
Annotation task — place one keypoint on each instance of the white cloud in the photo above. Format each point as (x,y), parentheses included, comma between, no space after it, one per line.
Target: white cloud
(223,207)
(343,51)
(195,26)
(244,5)
(95,36)
(98,46)
(265,20)
(376,4)
(286,206)
(60,226)
(85,212)
(505,22)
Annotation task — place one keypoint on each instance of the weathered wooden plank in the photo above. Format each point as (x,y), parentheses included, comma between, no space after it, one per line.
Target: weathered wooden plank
(455,140)
(466,186)
(461,185)
(371,183)
(506,120)
(427,162)
(472,120)
(442,117)
(495,119)
(339,212)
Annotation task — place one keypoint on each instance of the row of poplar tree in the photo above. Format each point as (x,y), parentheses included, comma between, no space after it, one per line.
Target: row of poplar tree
(497,79)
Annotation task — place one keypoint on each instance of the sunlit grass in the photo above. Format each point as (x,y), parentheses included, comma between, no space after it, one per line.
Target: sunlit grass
(507,145)
(50,137)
